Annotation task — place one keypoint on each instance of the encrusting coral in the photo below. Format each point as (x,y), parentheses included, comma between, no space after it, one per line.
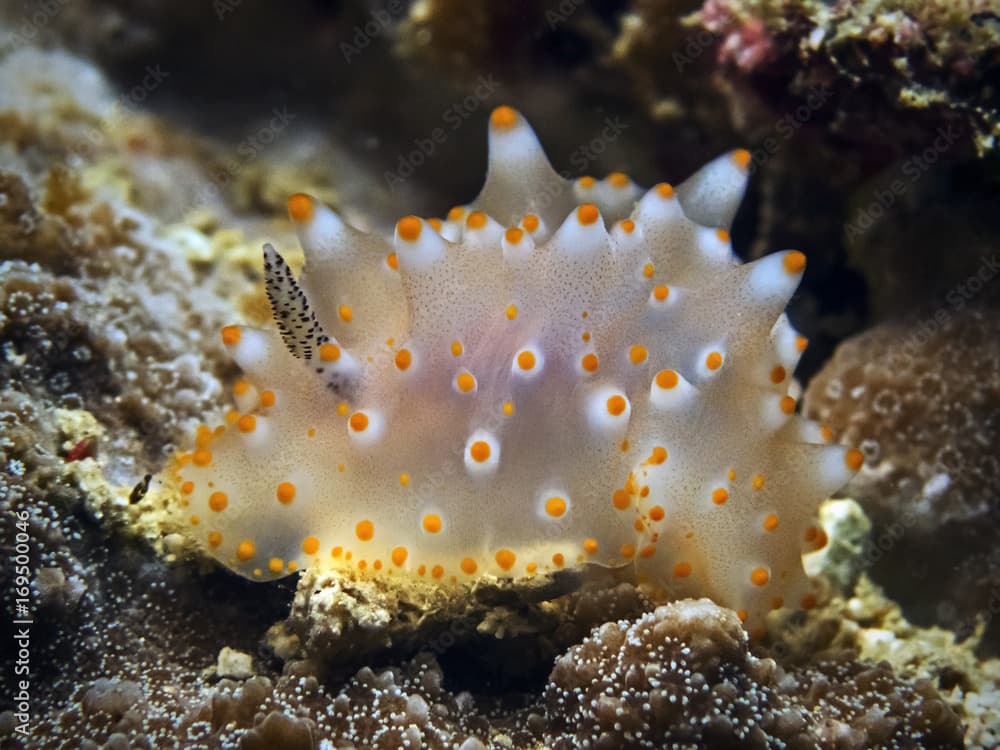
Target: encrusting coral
(603,376)
(682,676)
(921,65)
(921,398)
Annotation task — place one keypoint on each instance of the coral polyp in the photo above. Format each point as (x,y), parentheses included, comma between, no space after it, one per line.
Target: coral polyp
(559,373)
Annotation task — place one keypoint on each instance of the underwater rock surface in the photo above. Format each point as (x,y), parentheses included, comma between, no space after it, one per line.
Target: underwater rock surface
(127,238)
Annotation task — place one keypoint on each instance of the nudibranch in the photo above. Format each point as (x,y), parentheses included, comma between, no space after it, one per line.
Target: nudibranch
(561,372)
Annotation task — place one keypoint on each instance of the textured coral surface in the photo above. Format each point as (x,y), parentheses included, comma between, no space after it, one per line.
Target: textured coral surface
(922,400)
(689,680)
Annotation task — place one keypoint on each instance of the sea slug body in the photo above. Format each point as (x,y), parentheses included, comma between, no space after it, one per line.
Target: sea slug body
(562,372)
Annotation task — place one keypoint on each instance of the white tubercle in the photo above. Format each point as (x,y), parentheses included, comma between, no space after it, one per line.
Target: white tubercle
(418,246)
(712,195)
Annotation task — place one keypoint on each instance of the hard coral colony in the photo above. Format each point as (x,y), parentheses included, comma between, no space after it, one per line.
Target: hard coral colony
(559,373)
